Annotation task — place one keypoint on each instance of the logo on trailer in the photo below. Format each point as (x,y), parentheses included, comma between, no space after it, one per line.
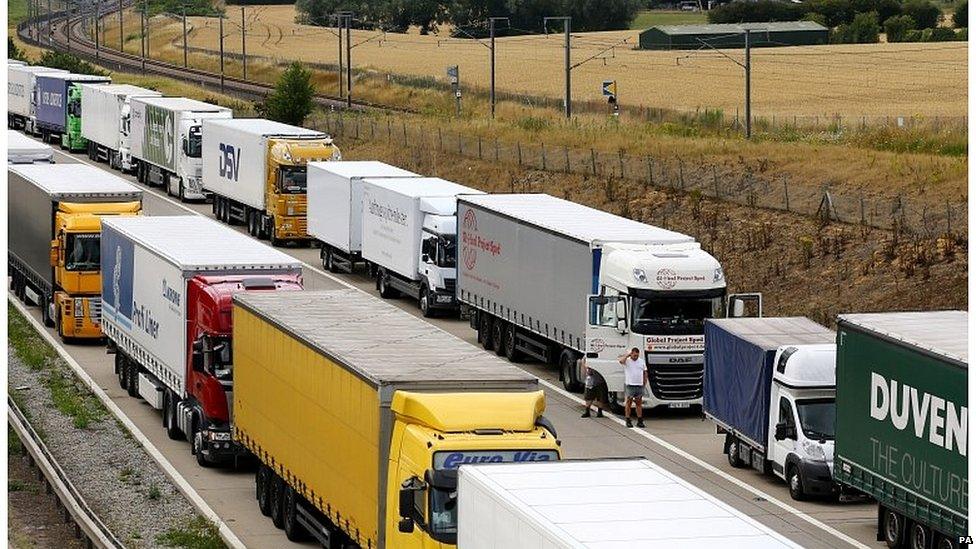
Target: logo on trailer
(472,242)
(597,345)
(230,161)
(666,278)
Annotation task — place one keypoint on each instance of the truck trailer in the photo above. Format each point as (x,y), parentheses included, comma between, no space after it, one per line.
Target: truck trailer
(902,422)
(167,316)
(106,122)
(21,81)
(53,230)
(553,280)
(361,414)
(597,504)
(335,208)
(58,107)
(410,238)
(24,150)
(167,142)
(769,388)
(256,170)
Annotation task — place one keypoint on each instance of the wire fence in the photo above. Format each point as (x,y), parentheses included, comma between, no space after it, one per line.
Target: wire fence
(694,176)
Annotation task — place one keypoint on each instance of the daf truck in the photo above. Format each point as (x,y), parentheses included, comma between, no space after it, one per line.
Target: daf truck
(21,82)
(106,122)
(903,422)
(410,238)
(167,315)
(54,225)
(58,107)
(769,388)
(167,142)
(553,280)
(602,503)
(257,169)
(24,150)
(361,414)
(335,208)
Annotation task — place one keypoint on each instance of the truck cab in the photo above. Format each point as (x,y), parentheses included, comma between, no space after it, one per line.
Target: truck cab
(286,185)
(72,139)
(190,162)
(433,435)
(125,163)
(438,256)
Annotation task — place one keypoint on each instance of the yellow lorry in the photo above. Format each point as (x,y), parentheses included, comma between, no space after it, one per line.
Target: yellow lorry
(361,415)
(54,229)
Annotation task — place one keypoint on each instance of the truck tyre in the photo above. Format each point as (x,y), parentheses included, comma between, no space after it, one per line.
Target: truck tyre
(484,330)
(498,336)
(511,343)
(383,285)
(132,379)
(919,536)
(277,497)
(166,185)
(733,453)
(46,312)
(328,259)
(181,191)
(795,482)
(289,510)
(567,367)
(121,369)
(424,303)
(252,224)
(945,542)
(197,446)
(262,488)
(170,421)
(892,528)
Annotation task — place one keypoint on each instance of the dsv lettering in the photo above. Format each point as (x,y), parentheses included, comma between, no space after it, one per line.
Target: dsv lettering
(230,161)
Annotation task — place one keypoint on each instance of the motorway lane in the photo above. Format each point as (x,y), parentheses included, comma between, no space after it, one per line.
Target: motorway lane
(230,494)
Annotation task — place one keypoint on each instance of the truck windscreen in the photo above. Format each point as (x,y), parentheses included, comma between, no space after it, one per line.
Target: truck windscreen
(82,252)
(291,180)
(817,417)
(194,143)
(674,316)
(443,513)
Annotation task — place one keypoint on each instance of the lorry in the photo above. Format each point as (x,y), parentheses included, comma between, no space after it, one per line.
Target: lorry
(410,238)
(335,208)
(360,415)
(167,315)
(106,122)
(24,150)
(53,229)
(256,170)
(58,107)
(553,280)
(770,388)
(902,422)
(600,503)
(21,81)
(167,141)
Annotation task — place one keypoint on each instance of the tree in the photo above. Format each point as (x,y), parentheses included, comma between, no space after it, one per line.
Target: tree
(864,29)
(13,52)
(291,101)
(884,8)
(960,16)
(897,27)
(925,13)
(68,62)
(761,11)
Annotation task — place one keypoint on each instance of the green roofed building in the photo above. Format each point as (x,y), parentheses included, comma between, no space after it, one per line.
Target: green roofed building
(686,37)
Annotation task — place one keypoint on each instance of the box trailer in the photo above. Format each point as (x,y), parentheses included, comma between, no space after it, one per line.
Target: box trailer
(361,413)
(58,107)
(167,140)
(769,388)
(902,422)
(21,81)
(53,231)
(335,207)
(597,504)
(24,150)
(167,316)
(106,121)
(257,171)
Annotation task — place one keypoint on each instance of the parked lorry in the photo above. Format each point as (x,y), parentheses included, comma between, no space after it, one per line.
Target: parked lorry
(769,388)
(256,170)
(54,215)
(167,316)
(902,422)
(24,150)
(553,280)
(21,82)
(335,208)
(410,238)
(58,107)
(106,122)
(167,142)
(361,414)
(601,503)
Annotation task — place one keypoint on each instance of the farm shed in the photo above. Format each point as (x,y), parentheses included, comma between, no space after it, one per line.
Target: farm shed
(685,37)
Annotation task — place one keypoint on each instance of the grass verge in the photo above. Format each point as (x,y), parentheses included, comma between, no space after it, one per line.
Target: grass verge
(198,533)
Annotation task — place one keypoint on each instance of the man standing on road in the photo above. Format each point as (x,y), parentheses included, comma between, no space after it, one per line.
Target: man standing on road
(594,391)
(635,377)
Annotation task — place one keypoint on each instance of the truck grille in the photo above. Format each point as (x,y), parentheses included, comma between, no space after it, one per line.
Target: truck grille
(676,382)
(450,285)
(95,309)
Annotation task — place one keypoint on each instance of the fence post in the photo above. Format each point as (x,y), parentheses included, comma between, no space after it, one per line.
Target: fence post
(479,147)
(593,160)
(357,128)
(440,139)
(715,181)
(862,209)
(389,130)
(518,145)
(681,173)
(543,156)
(786,192)
(948,218)
(404,124)
(620,161)
(372,130)
(566,152)
(460,150)
(650,171)
(496,150)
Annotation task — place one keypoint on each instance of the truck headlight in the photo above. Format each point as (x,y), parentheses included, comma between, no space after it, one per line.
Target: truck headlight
(336,155)
(79,307)
(813,451)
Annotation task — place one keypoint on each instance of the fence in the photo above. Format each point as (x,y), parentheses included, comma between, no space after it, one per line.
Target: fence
(736,184)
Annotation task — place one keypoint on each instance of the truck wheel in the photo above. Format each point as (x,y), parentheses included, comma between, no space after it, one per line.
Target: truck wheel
(293,530)
(425,308)
(252,223)
(567,366)
(511,341)
(171,423)
(262,487)
(132,379)
(484,330)
(383,285)
(919,536)
(498,336)
(893,528)
(122,369)
(734,457)
(945,542)
(277,497)
(328,259)
(181,191)
(46,312)
(198,447)
(795,482)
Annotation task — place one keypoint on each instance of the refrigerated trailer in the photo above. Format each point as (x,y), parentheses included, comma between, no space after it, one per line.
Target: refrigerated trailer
(902,422)
(106,122)
(21,81)
(24,150)
(53,229)
(58,107)
(361,414)
(167,315)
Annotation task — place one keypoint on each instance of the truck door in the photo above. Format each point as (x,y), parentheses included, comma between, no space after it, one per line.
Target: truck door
(784,435)
(606,337)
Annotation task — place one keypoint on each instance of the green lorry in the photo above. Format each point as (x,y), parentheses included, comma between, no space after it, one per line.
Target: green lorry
(902,412)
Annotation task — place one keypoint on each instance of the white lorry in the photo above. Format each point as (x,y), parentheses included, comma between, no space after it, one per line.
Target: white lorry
(770,387)
(21,80)
(596,504)
(106,122)
(335,208)
(24,150)
(554,280)
(167,141)
(410,238)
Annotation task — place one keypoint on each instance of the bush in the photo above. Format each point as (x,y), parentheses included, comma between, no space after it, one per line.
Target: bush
(816,18)
(864,29)
(835,12)
(885,8)
(897,27)
(960,16)
(291,101)
(760,11)
(942,34)
(925,13)
(68,62)
(13,52)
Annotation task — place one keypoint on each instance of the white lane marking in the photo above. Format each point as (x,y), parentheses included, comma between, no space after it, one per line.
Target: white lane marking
(225,532)
(656,440)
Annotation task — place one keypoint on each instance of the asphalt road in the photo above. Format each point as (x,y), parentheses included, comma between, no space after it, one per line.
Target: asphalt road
(680,441)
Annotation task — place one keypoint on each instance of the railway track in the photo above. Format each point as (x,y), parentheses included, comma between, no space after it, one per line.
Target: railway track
(71,505)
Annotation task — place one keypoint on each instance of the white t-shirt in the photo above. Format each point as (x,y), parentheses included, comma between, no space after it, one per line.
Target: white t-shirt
(633,371)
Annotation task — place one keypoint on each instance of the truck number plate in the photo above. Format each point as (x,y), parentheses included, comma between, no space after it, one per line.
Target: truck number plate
(444,299)
(679,405)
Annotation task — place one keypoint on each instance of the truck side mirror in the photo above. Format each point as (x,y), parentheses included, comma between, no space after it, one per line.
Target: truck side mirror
(620,308)
(784,431)
(425,258)
(53,253)
(405,526)
(197,356)
(738,308)
(622,326)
